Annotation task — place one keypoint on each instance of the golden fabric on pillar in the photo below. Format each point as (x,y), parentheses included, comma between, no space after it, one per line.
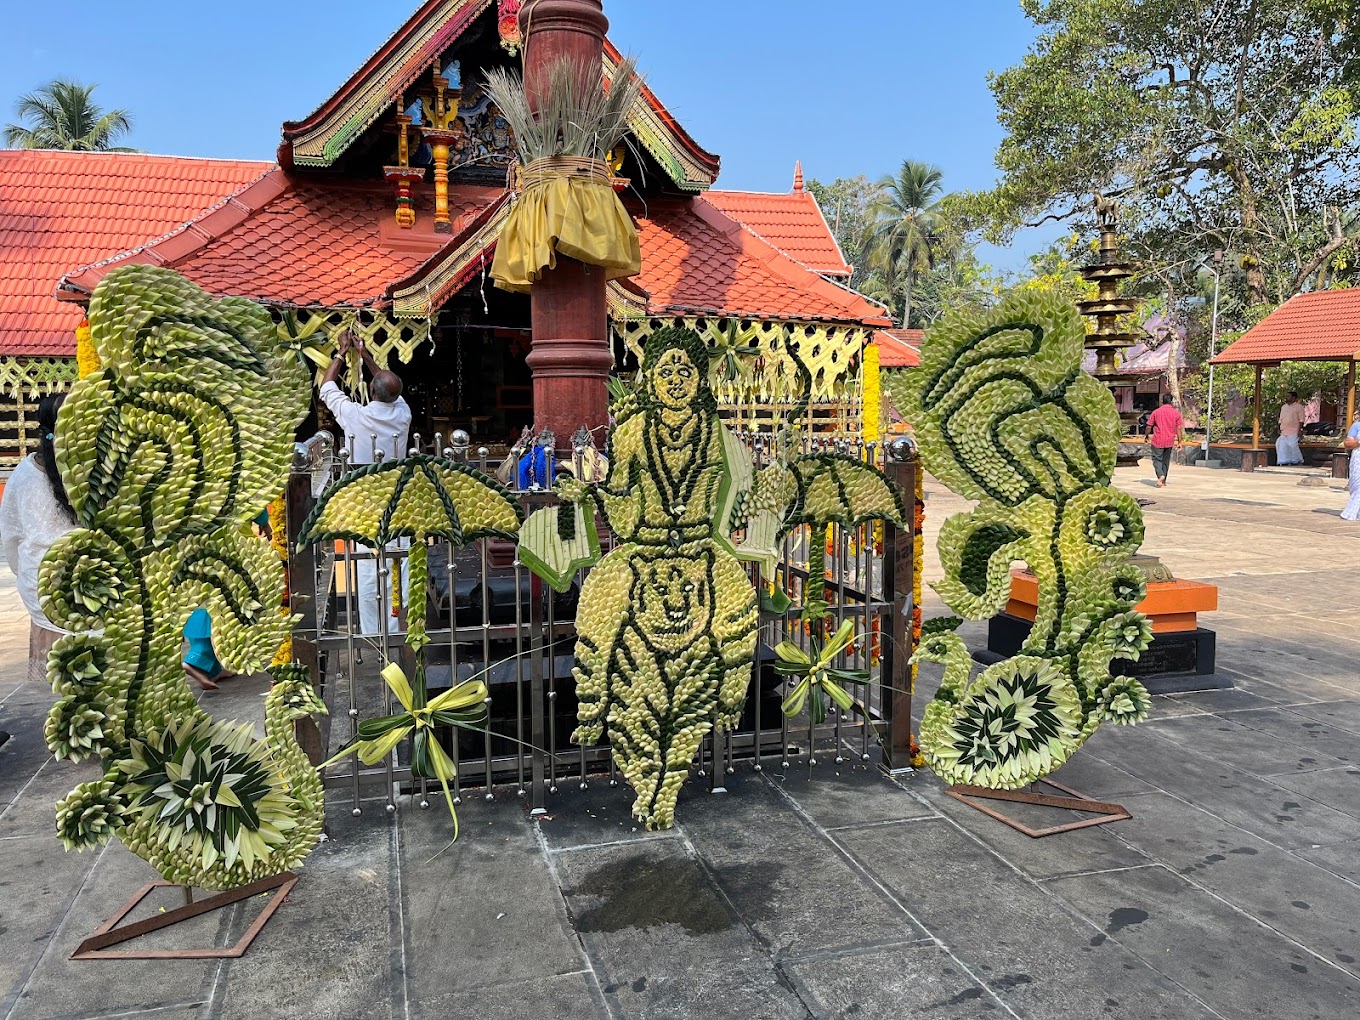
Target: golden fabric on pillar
(568,207)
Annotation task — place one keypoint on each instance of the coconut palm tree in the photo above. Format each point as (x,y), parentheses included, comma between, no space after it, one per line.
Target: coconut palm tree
(63,115)
(901,226)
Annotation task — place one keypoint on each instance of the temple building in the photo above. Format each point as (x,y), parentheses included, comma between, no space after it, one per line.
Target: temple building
(381,215)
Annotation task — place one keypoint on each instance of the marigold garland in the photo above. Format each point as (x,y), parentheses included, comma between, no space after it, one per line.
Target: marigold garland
(87,358)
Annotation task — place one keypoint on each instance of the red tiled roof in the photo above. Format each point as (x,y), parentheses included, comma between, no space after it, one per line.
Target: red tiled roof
(899,348)
(696,259)
(793,223)
(308,241)
(59,210)
(1321,326)
(301,241)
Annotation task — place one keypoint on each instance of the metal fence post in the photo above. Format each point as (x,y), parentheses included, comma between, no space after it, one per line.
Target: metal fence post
(299,498)
(899,556)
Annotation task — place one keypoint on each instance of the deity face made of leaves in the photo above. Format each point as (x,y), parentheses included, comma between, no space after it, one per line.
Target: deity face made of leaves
(676,380)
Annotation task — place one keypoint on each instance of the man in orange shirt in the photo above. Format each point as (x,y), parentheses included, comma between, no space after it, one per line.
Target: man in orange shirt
(1291,424)
(1164,429)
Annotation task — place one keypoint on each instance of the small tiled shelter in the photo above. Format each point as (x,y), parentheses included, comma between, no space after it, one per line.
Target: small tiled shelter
(1319,326)
(316,236)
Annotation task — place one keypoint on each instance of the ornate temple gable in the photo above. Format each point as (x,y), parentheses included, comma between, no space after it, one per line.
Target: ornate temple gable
(408,57)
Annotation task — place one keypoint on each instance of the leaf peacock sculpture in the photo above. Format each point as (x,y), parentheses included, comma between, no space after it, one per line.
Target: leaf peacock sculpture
(666,625)
(168,451)
(1004,415)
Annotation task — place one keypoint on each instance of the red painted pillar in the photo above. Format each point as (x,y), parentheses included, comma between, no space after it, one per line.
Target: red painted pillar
(570,356)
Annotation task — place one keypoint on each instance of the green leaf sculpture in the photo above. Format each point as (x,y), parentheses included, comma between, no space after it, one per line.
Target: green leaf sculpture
(667,621)
(167,452)
(1005,416)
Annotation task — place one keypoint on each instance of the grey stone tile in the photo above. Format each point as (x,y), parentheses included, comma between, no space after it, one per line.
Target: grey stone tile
(1232,700)
(329,950)
(25,752)
(906,982)
(789,884)
(34,813)
(602,813)
(1093,849)
(560,997)
(851,793)
(1087,774)
(1343,714)
(662,940)
(1005,927)
(1320,739)
(498,884)
(1171,706)
(60,987)
(1224,738)
(37,885)
(1239,969)
(1284,689)
(1290,894)
(1340,859)
(1256,805)
(1338,788)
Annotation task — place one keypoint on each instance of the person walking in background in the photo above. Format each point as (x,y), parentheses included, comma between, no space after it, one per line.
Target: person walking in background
(35,513)
(1352,511)
(1165,428)
(1291,424)
(381,426)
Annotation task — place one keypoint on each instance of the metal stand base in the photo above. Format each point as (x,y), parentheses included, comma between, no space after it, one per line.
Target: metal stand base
(109,934)
(1074,801)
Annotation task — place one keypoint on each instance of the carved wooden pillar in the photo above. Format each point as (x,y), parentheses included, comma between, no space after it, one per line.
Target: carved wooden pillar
(570,357)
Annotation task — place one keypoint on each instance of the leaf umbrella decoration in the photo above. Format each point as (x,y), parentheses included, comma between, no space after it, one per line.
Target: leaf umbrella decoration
(418,497)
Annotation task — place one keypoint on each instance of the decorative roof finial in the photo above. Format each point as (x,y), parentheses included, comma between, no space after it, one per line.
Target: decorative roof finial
(798,177)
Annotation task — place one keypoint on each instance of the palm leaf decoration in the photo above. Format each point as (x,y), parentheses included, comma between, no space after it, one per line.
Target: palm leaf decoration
(417,497)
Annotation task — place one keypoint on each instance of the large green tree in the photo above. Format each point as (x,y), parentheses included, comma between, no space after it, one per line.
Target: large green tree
(901,241)
(1224,125)
(63,115)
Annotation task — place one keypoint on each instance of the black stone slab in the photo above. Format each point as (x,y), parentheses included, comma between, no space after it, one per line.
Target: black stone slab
(1238,969)
(662,940)
(1037,956)
(788,882)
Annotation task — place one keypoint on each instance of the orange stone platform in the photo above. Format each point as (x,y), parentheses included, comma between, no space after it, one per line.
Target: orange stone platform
(1172,606)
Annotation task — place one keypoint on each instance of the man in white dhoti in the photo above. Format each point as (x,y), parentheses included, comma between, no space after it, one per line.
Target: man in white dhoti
(1291,424)
(381,426)
(1352,511)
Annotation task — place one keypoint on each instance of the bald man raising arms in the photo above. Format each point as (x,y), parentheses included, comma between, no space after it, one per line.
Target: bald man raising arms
(382,425)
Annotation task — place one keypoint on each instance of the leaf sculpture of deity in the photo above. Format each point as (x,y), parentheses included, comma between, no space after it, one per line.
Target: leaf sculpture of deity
(1004,415)
(667,621)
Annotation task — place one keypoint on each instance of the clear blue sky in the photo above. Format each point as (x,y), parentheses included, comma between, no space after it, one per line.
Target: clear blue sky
(848,87)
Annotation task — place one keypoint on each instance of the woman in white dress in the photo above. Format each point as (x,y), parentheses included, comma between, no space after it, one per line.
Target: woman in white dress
(33,514)
(1352,511)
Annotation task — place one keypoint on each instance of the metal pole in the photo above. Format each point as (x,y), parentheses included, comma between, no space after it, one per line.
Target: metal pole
(1213,351)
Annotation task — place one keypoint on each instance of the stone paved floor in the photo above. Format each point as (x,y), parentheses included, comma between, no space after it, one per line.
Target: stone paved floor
(1233,892)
